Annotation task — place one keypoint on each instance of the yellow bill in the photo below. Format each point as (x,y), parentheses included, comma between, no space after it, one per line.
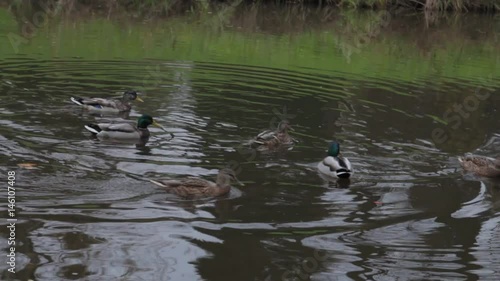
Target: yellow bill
(161,127)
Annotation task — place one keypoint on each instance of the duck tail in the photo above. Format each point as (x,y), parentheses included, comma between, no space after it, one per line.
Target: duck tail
(93,128)
(78,101)
(343,173)
(254,144)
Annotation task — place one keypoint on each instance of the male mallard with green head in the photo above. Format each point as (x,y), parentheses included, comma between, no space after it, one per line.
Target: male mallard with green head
(334,164)
(197,187)
(274,138)
(108,105)
(481,165)
(124,131)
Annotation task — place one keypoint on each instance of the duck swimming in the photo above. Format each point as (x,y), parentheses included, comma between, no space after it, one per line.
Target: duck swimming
(108,105)
(124,131)
(197,187)
(334,164)
(273,139)
(481,165)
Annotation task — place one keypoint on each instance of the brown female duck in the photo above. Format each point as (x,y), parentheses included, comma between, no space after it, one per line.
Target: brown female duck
(272,139)
(481,165)
(197,187)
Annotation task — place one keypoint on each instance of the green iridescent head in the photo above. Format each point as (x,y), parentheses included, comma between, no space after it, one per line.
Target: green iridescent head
(144,121)
(334,149)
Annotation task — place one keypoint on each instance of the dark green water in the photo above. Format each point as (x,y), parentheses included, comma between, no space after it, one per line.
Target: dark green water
(403,96)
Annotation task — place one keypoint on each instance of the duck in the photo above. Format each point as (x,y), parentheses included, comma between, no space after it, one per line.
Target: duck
(124,131)
(334,164)
(198,187)
(108,105)
(274,138)
(481,165)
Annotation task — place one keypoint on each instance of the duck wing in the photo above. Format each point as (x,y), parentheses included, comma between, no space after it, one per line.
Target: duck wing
(191,182)
(265,138)
(337,163)
(189,187)
(347,163)
(479,161)
(118,127)
(266,135)
(99,102)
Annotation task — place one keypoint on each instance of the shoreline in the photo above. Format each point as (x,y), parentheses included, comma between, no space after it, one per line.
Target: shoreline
(167,8)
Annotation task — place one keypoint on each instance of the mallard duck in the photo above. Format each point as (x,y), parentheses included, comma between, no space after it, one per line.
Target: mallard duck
(334,165)
(481,165)
(271,139)
(197,187)
(108,105)
(124,131)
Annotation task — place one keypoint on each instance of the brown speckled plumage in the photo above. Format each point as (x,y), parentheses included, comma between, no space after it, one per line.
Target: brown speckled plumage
(272,139)
(196,187)
(480,165)
(108,105)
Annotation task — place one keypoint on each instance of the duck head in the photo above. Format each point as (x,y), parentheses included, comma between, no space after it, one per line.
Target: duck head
(131,95)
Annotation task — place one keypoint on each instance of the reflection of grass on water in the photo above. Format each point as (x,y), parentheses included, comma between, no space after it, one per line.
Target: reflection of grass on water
(439,5)
(173,7)
(282,38)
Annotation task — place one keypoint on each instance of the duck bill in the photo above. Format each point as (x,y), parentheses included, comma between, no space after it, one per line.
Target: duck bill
(161,127)
(239,182)
(139,99)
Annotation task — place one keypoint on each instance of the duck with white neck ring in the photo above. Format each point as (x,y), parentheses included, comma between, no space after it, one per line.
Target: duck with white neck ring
(124,131)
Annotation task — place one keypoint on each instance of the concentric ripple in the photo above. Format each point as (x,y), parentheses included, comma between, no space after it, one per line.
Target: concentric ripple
(88,211)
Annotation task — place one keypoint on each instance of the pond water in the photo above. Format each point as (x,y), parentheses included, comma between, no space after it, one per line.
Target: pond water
(404,95)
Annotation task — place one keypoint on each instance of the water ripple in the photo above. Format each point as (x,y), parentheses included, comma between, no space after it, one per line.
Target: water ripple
(93,215)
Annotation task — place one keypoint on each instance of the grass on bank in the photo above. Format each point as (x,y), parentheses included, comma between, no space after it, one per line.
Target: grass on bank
(429,5)
(173,7)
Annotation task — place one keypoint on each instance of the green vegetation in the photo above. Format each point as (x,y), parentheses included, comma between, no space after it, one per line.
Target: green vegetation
(429,5)
(361,44)
(176,7)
